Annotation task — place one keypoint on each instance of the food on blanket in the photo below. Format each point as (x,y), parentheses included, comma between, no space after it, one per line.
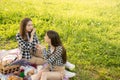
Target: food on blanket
(33,65)
(39,68)
(31,72)
(16,73)
(8,59)
(4,63)
(21,70)
(14,78)
(22,73)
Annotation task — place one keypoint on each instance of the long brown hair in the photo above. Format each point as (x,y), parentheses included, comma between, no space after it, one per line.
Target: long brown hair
(23,25)
(55,41)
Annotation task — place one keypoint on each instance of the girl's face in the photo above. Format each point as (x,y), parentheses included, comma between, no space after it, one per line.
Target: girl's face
(29,26)
(47,39)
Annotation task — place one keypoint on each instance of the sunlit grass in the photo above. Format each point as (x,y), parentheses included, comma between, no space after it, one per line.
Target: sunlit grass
(89,30)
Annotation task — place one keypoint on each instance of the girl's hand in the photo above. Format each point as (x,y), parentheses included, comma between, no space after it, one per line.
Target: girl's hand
(39,47)
(42,47)
(33,31)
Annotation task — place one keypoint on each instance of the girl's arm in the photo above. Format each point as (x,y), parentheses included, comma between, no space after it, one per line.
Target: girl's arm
(36,38)
(44,51)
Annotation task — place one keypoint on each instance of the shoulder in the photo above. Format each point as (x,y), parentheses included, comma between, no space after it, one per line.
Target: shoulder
(35,34)
(18,35)
(59,48)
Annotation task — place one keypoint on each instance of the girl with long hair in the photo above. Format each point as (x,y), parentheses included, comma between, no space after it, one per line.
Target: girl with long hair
(27,40)
(55,56)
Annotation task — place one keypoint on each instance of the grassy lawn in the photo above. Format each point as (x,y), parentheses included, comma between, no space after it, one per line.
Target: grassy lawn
(89,29)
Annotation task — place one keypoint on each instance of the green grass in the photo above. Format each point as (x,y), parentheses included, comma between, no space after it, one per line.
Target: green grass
(89,29)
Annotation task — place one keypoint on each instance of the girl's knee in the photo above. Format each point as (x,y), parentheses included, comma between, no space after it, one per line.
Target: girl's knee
(44,74)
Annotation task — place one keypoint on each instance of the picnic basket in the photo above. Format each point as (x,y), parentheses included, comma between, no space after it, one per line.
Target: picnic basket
(5,56)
